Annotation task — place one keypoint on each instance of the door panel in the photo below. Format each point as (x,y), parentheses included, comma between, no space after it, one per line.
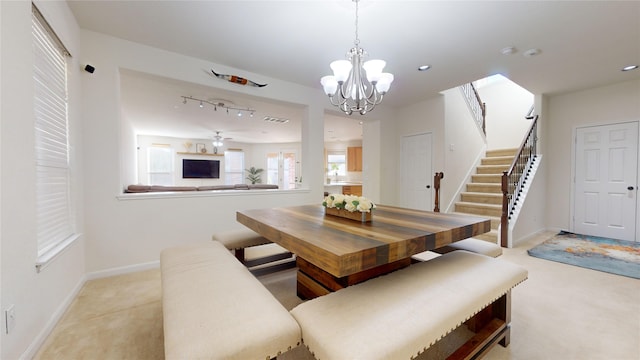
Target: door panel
(606,168)
(417,175)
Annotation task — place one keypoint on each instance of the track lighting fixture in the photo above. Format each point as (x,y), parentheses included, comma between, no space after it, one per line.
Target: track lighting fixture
(219,104)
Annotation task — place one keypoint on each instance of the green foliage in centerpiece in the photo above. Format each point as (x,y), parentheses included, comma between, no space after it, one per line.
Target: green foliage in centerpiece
(350,203)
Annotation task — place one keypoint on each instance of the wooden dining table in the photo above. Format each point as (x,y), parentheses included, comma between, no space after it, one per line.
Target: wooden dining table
(334,252)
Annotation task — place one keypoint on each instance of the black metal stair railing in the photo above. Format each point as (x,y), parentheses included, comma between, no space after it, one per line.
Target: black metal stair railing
(513,180)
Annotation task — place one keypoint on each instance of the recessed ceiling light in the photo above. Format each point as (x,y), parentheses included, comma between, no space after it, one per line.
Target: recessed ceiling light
(509,50)
(531,52)
(630,67)
(424,67)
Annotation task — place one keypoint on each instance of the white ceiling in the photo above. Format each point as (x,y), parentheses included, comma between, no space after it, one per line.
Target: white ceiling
(582,44)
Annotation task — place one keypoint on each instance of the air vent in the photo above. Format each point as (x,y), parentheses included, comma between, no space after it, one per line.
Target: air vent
(275,120)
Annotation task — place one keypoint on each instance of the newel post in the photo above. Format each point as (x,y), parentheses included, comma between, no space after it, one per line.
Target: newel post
(436,186)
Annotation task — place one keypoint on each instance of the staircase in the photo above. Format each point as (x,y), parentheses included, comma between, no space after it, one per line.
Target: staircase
(484,195)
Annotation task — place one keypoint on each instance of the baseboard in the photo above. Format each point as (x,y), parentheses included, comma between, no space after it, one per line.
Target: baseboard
(39,340)
(122,270)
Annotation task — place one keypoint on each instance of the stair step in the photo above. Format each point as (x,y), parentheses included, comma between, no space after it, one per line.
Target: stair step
(492,169)
(501,152)
(481,197)
(485,188)
(497,160)
(478,209)
(486,178)
(495,220)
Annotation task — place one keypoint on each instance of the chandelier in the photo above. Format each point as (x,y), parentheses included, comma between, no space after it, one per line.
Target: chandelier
(348,88)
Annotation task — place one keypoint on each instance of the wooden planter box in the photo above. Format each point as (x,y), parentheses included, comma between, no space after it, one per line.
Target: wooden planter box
(356,215)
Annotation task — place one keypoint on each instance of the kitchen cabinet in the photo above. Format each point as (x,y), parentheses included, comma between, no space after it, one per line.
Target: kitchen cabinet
(352,190)
(354,158)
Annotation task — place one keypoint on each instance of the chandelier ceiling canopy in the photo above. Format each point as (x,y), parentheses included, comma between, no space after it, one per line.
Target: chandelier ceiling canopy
(354,85)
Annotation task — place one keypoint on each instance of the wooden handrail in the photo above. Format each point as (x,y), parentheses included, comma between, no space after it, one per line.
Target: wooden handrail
(436,185)
(513,179)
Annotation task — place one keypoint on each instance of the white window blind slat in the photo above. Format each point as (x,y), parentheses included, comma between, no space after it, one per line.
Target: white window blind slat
(54,212)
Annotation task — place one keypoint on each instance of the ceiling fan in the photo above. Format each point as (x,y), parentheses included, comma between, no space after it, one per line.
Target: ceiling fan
(218,141)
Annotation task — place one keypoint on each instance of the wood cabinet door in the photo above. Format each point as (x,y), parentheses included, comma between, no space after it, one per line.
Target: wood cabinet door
(354,158)
(352,190)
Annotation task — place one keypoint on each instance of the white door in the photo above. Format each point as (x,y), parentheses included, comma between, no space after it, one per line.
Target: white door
(606,181)
(416,174)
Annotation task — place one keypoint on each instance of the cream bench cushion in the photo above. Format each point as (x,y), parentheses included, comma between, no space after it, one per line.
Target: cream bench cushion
(240,239)
(396,316)
(475,246)
(215,309)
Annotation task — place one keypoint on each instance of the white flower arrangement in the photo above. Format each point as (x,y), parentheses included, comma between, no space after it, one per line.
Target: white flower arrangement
(351,203)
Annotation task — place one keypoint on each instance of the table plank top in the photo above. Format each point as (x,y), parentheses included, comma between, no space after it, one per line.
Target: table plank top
(344,247)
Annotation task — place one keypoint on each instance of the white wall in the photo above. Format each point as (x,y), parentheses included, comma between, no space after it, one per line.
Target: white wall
(464,145)
(424,117)
(598,106)
(39,298)
(507,105)
(122,232)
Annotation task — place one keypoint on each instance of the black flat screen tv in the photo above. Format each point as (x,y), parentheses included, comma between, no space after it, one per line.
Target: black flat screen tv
(200,169)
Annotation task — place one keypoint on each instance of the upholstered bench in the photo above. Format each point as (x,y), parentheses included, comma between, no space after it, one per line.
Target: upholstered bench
(400,315)
(240,240)
(214,308)
(473,245)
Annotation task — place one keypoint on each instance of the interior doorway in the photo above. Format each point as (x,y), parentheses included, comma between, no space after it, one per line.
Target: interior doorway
(606,181)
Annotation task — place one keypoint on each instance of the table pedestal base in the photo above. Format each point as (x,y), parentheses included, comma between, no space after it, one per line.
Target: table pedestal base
(314,282)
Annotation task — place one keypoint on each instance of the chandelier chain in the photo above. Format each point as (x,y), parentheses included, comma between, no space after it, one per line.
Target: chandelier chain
(357,40)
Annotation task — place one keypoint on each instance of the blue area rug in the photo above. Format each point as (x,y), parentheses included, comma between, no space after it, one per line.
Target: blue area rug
(613,256)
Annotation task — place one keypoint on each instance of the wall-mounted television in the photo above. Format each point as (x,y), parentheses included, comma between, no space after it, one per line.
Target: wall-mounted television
(200,169)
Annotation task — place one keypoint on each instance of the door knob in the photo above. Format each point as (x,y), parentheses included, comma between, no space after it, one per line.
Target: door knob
(630,188)
(428,186)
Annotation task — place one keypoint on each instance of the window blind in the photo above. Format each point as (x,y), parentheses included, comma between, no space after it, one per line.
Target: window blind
(53,203)
(160,165)
(233,167)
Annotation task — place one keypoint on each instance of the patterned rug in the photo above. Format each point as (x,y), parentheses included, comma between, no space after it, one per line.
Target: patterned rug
(613,256)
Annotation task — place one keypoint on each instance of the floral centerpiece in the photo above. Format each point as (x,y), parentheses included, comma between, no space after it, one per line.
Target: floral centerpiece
(349,206)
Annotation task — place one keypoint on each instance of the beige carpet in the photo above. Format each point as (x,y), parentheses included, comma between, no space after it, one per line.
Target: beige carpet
(561,312)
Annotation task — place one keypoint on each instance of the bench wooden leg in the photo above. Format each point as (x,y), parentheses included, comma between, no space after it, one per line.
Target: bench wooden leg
(491,325)
(239,255)
(314,282)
